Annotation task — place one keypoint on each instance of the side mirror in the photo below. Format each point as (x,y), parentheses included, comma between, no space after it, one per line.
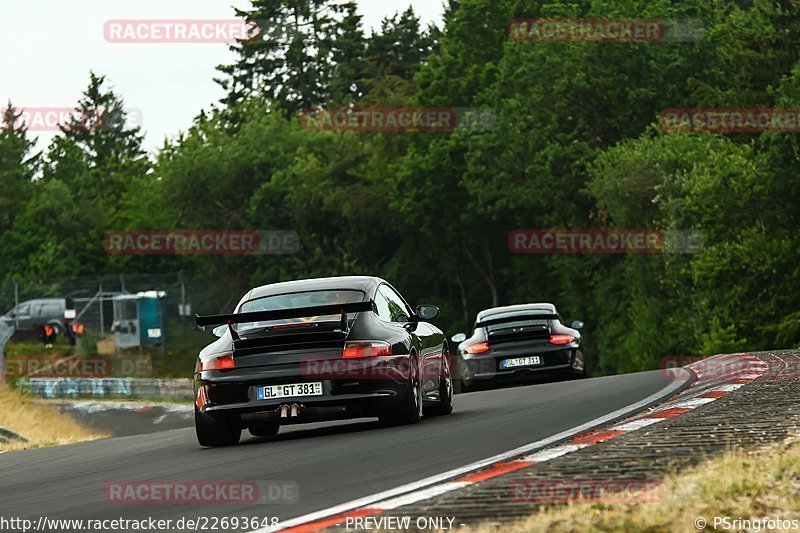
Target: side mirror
(458,338)
(219,331)
(578,324)
(427,312)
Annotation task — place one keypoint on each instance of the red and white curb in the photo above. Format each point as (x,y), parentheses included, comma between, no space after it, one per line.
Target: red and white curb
(700,393)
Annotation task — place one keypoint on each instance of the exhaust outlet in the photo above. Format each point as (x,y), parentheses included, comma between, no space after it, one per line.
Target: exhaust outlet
(284,411)
(295,410)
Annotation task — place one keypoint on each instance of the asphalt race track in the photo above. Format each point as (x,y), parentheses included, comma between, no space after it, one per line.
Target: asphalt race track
(328,464)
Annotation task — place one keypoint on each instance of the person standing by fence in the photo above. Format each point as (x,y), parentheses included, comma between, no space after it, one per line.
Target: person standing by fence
(48,335)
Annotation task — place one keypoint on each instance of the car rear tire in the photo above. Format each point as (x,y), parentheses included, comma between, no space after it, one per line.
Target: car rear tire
(582,373)
(410,411)
(215,430)
(465,376)
(445,404)
(265,429)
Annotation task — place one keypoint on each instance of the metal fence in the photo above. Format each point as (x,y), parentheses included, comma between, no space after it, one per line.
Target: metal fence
(92,297)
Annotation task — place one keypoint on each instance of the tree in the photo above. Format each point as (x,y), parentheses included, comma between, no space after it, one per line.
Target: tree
(98,127)
(401,47)
(349,45)
(86,174)
(290,62)
(18,166)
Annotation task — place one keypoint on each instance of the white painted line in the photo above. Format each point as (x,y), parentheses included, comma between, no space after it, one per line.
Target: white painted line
(635,424)
(750,376)
(728,388)
(372,499)
(552,453)
(414,497)
(691,404)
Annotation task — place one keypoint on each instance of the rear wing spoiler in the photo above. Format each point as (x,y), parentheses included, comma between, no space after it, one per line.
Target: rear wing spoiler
(263,316)
(530,316)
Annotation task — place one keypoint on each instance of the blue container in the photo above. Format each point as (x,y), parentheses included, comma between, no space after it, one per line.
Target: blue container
(152,324)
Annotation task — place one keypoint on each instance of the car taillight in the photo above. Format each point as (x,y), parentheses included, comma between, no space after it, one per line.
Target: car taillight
(561,339)
(220,362)
(293,326)
(479,347)
(357,349)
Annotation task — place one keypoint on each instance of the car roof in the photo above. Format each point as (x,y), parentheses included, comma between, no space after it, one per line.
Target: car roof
(545,307)
(367,284)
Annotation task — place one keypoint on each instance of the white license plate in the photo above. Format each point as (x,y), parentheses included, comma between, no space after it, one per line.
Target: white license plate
(521,361)
(296,390)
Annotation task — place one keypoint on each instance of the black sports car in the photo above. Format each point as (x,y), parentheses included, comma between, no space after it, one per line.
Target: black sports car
(319,349)
(519,341)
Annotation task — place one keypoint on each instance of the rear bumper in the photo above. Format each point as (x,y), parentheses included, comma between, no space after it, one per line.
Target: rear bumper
(310,409)
(554,360)
(364,388)
(520,372)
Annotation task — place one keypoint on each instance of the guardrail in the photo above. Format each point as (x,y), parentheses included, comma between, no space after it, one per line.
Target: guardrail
(126,388)
(7,435)
(6,331)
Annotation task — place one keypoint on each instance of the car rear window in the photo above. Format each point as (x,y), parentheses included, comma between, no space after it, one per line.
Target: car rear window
(298,300)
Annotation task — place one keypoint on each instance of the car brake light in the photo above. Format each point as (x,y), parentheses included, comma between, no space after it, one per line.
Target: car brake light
(479,347)
(293,326)
(221,362)
(561,339)
(355,350)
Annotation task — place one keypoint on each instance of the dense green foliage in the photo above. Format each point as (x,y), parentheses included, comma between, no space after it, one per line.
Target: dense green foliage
(576,145)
